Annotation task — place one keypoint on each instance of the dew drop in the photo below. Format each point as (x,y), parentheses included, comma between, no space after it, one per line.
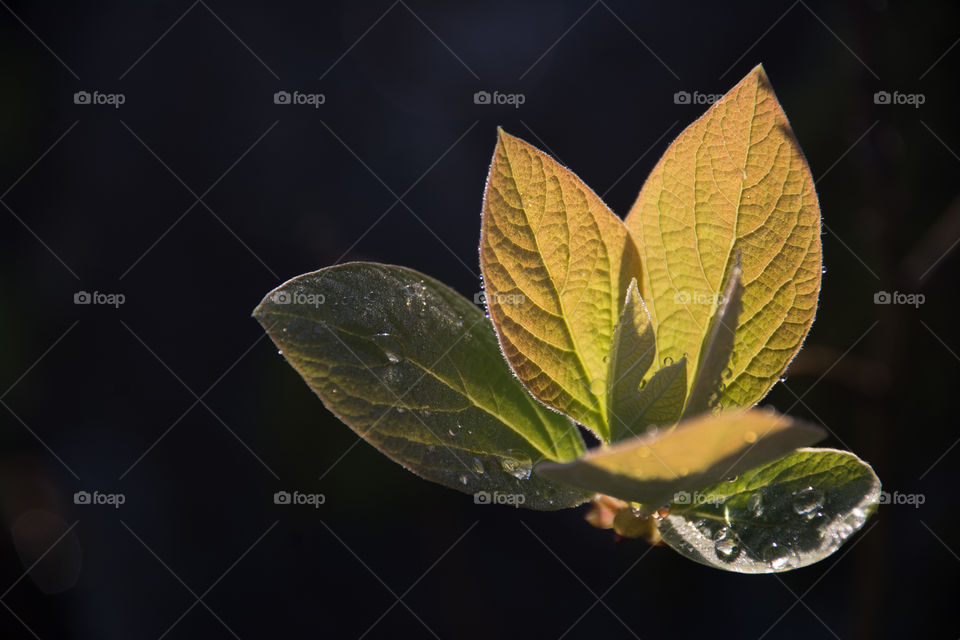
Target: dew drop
(477,466)
(807,500)
(597,387)
(750,437)
(856,518)
(517,464)
(776,556)
(464,479)
(732,478)
(755,504)
(662,512)
(643,452)
(401,409)
(391,348)
(667,361)
(726,544)
(727,373)
(453,434)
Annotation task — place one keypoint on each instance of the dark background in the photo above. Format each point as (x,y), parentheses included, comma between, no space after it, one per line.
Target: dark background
(105,399)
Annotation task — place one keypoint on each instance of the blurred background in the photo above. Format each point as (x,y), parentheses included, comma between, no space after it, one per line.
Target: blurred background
(146,162)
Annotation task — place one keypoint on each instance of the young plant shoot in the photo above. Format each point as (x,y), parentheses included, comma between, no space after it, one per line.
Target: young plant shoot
(659,333)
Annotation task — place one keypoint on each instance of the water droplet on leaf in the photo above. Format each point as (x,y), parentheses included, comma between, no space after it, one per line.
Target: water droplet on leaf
(776,555)
(726,544)
(807,500)
(517,464)
(391,348)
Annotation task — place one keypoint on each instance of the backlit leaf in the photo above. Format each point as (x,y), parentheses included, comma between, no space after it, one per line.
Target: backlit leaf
(716,352)
(414,368)
(786,514)
(661,399)
(556,264)
(652,469)
(631,355)
(735,181)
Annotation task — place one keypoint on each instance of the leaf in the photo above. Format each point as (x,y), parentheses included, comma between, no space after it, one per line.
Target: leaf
(631,355)
(414,369)
(717,350)
(661,399)
(652,469)
(734,181)
(784,515)
(556,265)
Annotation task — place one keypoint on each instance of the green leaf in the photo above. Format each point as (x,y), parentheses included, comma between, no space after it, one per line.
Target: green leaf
(733,181)
(786,514)
(717,349)
(556,265)
(414,368)
(651,469)
(661,399)
(631,355)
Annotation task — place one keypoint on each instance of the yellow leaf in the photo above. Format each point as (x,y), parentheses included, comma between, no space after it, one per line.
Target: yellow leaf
(734,181)
(556,265)
(653,469)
